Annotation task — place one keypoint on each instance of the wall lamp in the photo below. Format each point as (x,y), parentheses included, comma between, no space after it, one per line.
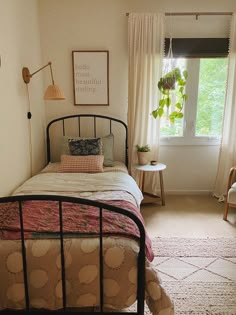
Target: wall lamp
(53,92)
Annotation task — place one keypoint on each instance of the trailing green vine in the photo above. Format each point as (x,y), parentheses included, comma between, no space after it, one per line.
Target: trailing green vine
(172,87)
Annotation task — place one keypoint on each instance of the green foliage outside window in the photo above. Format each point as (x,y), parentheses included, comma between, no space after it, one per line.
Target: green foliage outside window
(211,96)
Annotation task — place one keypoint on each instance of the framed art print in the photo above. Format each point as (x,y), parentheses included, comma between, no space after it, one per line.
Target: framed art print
(91,77)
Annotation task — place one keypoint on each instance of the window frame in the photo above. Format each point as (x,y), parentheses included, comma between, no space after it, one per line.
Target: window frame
(190,111)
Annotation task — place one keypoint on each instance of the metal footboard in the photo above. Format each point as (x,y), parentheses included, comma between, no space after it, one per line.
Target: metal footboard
(101,207)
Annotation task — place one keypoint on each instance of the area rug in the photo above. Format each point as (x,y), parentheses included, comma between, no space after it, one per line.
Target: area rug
(198,274)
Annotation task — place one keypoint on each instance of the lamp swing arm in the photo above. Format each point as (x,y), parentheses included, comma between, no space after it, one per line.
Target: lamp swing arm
(27,75)
(53,91)
(48,64)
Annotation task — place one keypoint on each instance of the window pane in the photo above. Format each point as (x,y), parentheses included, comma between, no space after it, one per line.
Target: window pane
(211,96)
(167,128)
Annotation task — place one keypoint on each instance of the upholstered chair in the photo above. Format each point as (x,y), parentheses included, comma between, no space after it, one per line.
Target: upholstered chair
(231,192)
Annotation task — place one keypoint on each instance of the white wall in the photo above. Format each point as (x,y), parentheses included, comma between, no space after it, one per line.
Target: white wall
(68,25)
(19,46)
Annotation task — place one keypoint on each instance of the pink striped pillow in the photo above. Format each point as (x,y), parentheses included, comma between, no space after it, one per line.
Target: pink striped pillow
(81,164)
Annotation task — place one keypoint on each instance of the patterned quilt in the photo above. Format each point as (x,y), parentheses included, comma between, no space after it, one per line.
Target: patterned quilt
(43,216)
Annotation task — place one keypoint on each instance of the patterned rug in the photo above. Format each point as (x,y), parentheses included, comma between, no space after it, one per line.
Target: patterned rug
(198,274)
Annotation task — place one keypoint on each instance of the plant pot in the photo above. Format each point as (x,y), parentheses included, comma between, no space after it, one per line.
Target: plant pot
(143,158)
(169,83)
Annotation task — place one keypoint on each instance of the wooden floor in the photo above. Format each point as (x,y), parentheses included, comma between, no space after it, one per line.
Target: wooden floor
(189,216)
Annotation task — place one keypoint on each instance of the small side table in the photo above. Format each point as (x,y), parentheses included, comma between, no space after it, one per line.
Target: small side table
(149,198)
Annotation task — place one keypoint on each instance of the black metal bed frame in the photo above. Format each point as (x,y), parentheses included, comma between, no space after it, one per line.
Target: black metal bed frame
(79,117)
(101,206)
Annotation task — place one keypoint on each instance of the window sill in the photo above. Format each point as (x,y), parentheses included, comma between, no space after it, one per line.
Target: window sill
(201,141)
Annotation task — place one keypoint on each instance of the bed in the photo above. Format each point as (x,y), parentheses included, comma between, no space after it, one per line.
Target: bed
(72,237)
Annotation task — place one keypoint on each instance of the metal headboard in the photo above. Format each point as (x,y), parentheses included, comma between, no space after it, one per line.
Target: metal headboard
(79,117)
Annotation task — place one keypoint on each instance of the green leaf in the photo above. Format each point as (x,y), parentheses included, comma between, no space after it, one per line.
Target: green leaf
(185,74)
(168,101)
(179,115)
(181,89)
(162,102)
(172,119)
(173,114)
(165,92)
(160,112)
(159,84)
(155,113)
(178,105)
(181,82)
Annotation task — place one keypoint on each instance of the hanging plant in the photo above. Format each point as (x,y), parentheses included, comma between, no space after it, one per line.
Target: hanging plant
(172,87)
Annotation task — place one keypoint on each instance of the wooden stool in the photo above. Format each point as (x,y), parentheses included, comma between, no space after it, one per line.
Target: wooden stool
(149,198)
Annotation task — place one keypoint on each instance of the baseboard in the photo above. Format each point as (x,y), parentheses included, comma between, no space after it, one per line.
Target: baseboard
(188,192)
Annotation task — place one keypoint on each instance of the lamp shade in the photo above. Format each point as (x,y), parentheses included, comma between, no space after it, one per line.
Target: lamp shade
(53,92)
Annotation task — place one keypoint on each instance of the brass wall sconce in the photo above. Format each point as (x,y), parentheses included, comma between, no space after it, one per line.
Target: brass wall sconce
(53,92)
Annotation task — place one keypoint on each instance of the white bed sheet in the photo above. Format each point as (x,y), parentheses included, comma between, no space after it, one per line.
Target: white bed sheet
(104,186)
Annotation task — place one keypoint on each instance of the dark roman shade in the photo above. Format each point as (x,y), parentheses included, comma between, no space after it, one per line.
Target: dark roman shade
(198,47)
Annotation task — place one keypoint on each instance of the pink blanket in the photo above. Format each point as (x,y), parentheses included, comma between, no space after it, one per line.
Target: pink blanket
(43,216)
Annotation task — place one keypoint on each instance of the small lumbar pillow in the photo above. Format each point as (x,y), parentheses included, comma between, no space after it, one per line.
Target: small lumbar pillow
(81,164)
(85,146)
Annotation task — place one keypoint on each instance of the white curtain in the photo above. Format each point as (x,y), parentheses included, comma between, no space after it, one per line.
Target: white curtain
(146,49)
(227,156)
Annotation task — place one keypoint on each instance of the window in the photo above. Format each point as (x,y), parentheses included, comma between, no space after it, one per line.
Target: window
(203,112)
(211,96)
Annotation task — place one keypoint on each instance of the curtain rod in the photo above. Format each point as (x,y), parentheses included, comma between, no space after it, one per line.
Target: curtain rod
(197,14)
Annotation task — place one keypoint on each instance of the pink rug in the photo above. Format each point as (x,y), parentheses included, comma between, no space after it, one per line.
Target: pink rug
(198,274)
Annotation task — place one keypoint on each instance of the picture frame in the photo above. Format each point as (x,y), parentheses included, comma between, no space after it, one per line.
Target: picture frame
(91,77)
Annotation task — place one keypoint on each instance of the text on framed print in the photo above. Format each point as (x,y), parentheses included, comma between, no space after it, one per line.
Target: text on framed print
(91,77)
